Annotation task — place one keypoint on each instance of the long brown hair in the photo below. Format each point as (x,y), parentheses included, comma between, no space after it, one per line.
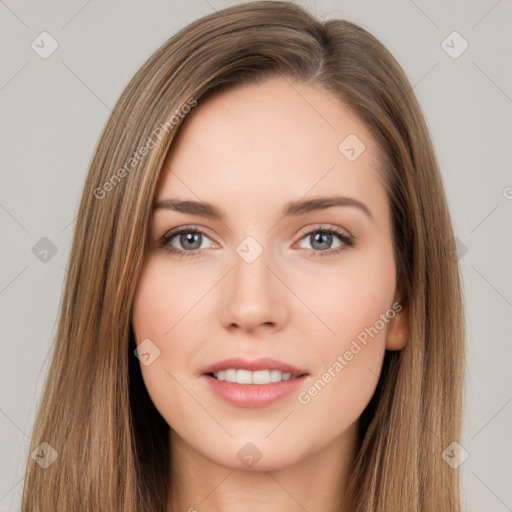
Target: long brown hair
(112,445)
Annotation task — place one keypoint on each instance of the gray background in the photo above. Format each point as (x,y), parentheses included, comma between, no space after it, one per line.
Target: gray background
(53,111)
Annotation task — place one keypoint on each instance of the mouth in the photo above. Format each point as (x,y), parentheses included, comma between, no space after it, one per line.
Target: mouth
(262,377)
(253,383)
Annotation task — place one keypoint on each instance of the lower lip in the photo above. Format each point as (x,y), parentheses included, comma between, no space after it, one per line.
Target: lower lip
(254,395)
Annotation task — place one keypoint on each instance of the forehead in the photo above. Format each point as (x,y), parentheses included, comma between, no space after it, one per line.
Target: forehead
(277,140)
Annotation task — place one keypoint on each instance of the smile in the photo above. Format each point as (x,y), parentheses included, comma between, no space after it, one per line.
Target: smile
(255,383)
(248,377)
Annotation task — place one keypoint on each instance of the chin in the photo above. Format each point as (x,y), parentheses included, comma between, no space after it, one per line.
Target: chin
(255,453)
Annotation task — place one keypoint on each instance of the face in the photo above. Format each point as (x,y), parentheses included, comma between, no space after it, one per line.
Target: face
(269,274)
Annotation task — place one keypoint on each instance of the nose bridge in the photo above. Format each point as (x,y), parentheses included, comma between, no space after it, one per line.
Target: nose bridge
(254,295)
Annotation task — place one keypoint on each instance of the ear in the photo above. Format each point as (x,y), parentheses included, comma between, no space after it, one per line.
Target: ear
(397,332)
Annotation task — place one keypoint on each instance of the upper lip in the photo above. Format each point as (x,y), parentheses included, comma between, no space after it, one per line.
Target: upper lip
(264,363)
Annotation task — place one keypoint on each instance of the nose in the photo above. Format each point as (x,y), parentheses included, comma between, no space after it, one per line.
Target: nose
(253,297)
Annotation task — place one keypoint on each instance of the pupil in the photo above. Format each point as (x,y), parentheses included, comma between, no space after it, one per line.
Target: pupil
(324,238)
(192,238)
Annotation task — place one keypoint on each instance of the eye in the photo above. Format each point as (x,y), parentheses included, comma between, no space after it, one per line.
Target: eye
(321,240)
(190,241)
(186,241)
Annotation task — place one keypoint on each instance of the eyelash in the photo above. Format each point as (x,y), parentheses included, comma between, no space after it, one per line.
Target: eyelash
(347,240)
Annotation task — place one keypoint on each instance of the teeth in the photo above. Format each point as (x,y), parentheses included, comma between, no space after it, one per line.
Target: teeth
(248,377)
(244,377)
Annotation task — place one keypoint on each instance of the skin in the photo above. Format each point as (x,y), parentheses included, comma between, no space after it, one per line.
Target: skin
(249,151)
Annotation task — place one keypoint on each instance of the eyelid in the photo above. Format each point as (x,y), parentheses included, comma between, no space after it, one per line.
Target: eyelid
(324,227)
(165,240)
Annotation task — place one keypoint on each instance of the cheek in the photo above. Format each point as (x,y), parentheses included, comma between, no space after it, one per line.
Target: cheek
(168,309)
(336,397)
(161,300)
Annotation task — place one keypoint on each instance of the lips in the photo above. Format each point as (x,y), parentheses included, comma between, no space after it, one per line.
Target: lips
(246,383)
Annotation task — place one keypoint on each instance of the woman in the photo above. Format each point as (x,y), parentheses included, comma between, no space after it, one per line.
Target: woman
(307,350)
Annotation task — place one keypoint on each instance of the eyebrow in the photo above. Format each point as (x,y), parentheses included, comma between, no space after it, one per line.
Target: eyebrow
(292,208)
